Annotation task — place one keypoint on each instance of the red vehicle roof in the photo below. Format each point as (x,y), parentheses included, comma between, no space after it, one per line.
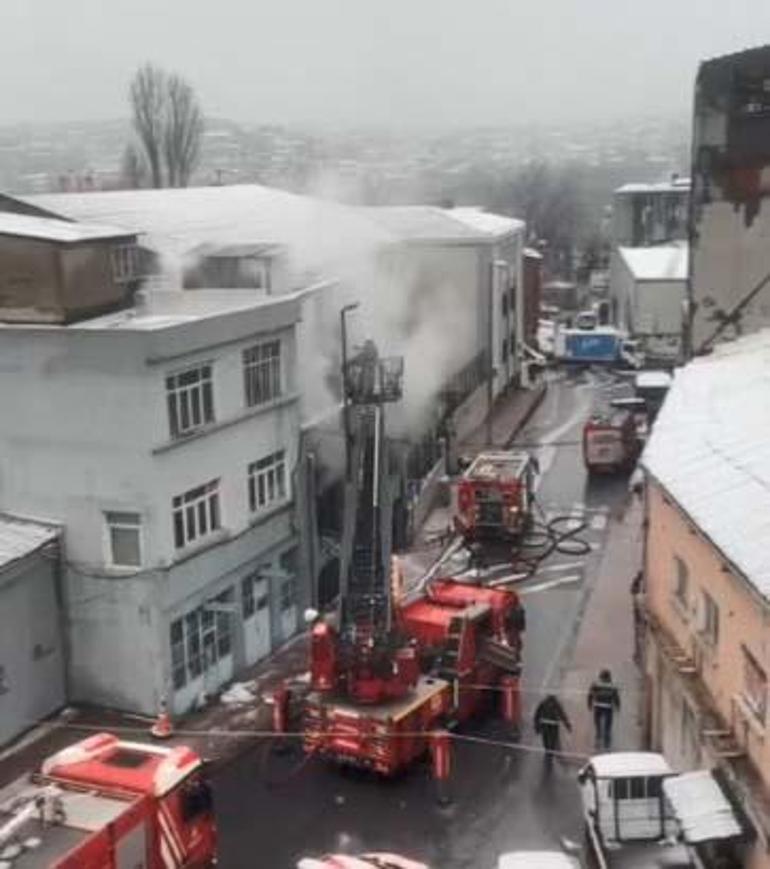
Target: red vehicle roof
(136,767)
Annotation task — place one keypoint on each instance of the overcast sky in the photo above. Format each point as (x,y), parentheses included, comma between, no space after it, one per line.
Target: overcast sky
(396,62)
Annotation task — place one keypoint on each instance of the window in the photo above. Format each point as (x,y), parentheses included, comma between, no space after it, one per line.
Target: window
(178,675)
(262,373)
(124,530)
(248,602)
(504,299)
(267,481)
(505,349)
(200,638)
(635,788)
(125,263)
(288,593)
(196,514)
(754,685)
(710,620)
(190,397)
(681,581)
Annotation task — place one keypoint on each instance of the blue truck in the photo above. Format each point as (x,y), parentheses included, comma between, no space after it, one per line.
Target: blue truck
(588,346)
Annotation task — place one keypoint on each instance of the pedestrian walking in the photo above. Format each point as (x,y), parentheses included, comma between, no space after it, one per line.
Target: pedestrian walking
(604,701)
(549,716)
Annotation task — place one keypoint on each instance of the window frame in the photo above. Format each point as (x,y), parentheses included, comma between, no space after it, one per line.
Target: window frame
(266,475)
(681,590)
(288,594)
(124,262)
(195,399)
(262,365)
(186,513)
(757,706)
(114,524)
(709,628)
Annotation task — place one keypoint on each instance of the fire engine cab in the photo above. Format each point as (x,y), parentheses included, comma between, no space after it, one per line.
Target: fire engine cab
(107,804)
(493,497)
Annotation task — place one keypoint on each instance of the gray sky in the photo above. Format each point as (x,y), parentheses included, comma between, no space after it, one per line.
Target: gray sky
(371,61)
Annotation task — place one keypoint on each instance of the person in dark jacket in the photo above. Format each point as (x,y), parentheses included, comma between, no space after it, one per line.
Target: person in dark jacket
(549,716)
(604,701)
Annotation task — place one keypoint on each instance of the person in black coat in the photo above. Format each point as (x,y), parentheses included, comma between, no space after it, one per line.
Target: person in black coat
(549,716)
(604,701)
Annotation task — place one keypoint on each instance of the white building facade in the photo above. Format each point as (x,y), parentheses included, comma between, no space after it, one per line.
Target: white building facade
(163,439)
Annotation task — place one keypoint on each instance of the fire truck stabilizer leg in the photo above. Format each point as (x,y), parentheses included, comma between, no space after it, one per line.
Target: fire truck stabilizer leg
(441,757)
(510,691)
(281,700)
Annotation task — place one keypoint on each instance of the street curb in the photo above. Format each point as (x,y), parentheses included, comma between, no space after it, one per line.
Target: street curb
(536,402)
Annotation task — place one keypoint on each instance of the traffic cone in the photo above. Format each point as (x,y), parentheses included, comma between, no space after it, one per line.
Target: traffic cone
(162,728)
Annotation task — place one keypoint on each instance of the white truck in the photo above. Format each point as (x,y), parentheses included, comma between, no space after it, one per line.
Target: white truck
(640,814)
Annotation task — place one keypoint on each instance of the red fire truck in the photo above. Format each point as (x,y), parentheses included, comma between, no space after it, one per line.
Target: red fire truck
(107,804)
(492,499)
(610,442)
(385,673)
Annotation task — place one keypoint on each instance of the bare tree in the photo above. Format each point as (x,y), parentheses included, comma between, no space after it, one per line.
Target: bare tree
(148,104)
(133,169)
(182,132)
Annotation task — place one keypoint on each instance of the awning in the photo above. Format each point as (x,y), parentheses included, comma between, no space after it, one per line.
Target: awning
(701,807)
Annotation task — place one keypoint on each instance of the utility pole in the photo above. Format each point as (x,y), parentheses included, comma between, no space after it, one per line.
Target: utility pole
(345,412)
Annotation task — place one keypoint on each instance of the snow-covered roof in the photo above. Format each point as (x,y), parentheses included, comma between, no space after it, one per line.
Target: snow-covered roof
(496,225)
(629,763)
(59,231)
(710,450)
(653,380)
(432,224)
(532,253)
(665,262)
(701,807)
(175,221)
(678,185)
(21,537)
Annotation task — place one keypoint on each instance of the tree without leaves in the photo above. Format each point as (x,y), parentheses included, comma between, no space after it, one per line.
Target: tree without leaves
(148,98)
(133,170)
(182,131)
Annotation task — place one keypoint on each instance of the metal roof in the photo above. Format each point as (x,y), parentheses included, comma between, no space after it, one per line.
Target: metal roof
(58,231)
(710,451)
(619,764)
(21,537)
(701,807)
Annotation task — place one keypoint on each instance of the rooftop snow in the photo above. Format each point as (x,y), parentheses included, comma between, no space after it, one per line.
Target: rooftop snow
(162,309)
(20,537)
(627,763)
(177,220)
(665,262)
(60,231)
(680,185)
(491,224)
(430,223)
(701,807)
(710,450)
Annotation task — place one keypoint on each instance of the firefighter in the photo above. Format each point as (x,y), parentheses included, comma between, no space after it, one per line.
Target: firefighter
(549,716)
(603,700)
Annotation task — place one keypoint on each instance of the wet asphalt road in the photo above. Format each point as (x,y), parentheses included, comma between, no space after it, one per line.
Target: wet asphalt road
(274,810)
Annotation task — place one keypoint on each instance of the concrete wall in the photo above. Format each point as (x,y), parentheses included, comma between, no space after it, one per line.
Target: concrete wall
(86,431)
(744,623)
(32,681)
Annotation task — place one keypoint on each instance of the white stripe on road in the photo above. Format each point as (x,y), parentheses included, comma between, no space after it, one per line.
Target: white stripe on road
(564,565)
(552,583)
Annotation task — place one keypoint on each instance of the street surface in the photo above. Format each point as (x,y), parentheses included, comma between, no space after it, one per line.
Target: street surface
(273,810)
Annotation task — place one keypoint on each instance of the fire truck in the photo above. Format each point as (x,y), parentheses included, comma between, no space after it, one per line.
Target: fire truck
(388,670)
(610,441)
(107,804)
(493,497)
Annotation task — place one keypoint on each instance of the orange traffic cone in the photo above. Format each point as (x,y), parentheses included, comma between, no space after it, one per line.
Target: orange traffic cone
(162,728)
